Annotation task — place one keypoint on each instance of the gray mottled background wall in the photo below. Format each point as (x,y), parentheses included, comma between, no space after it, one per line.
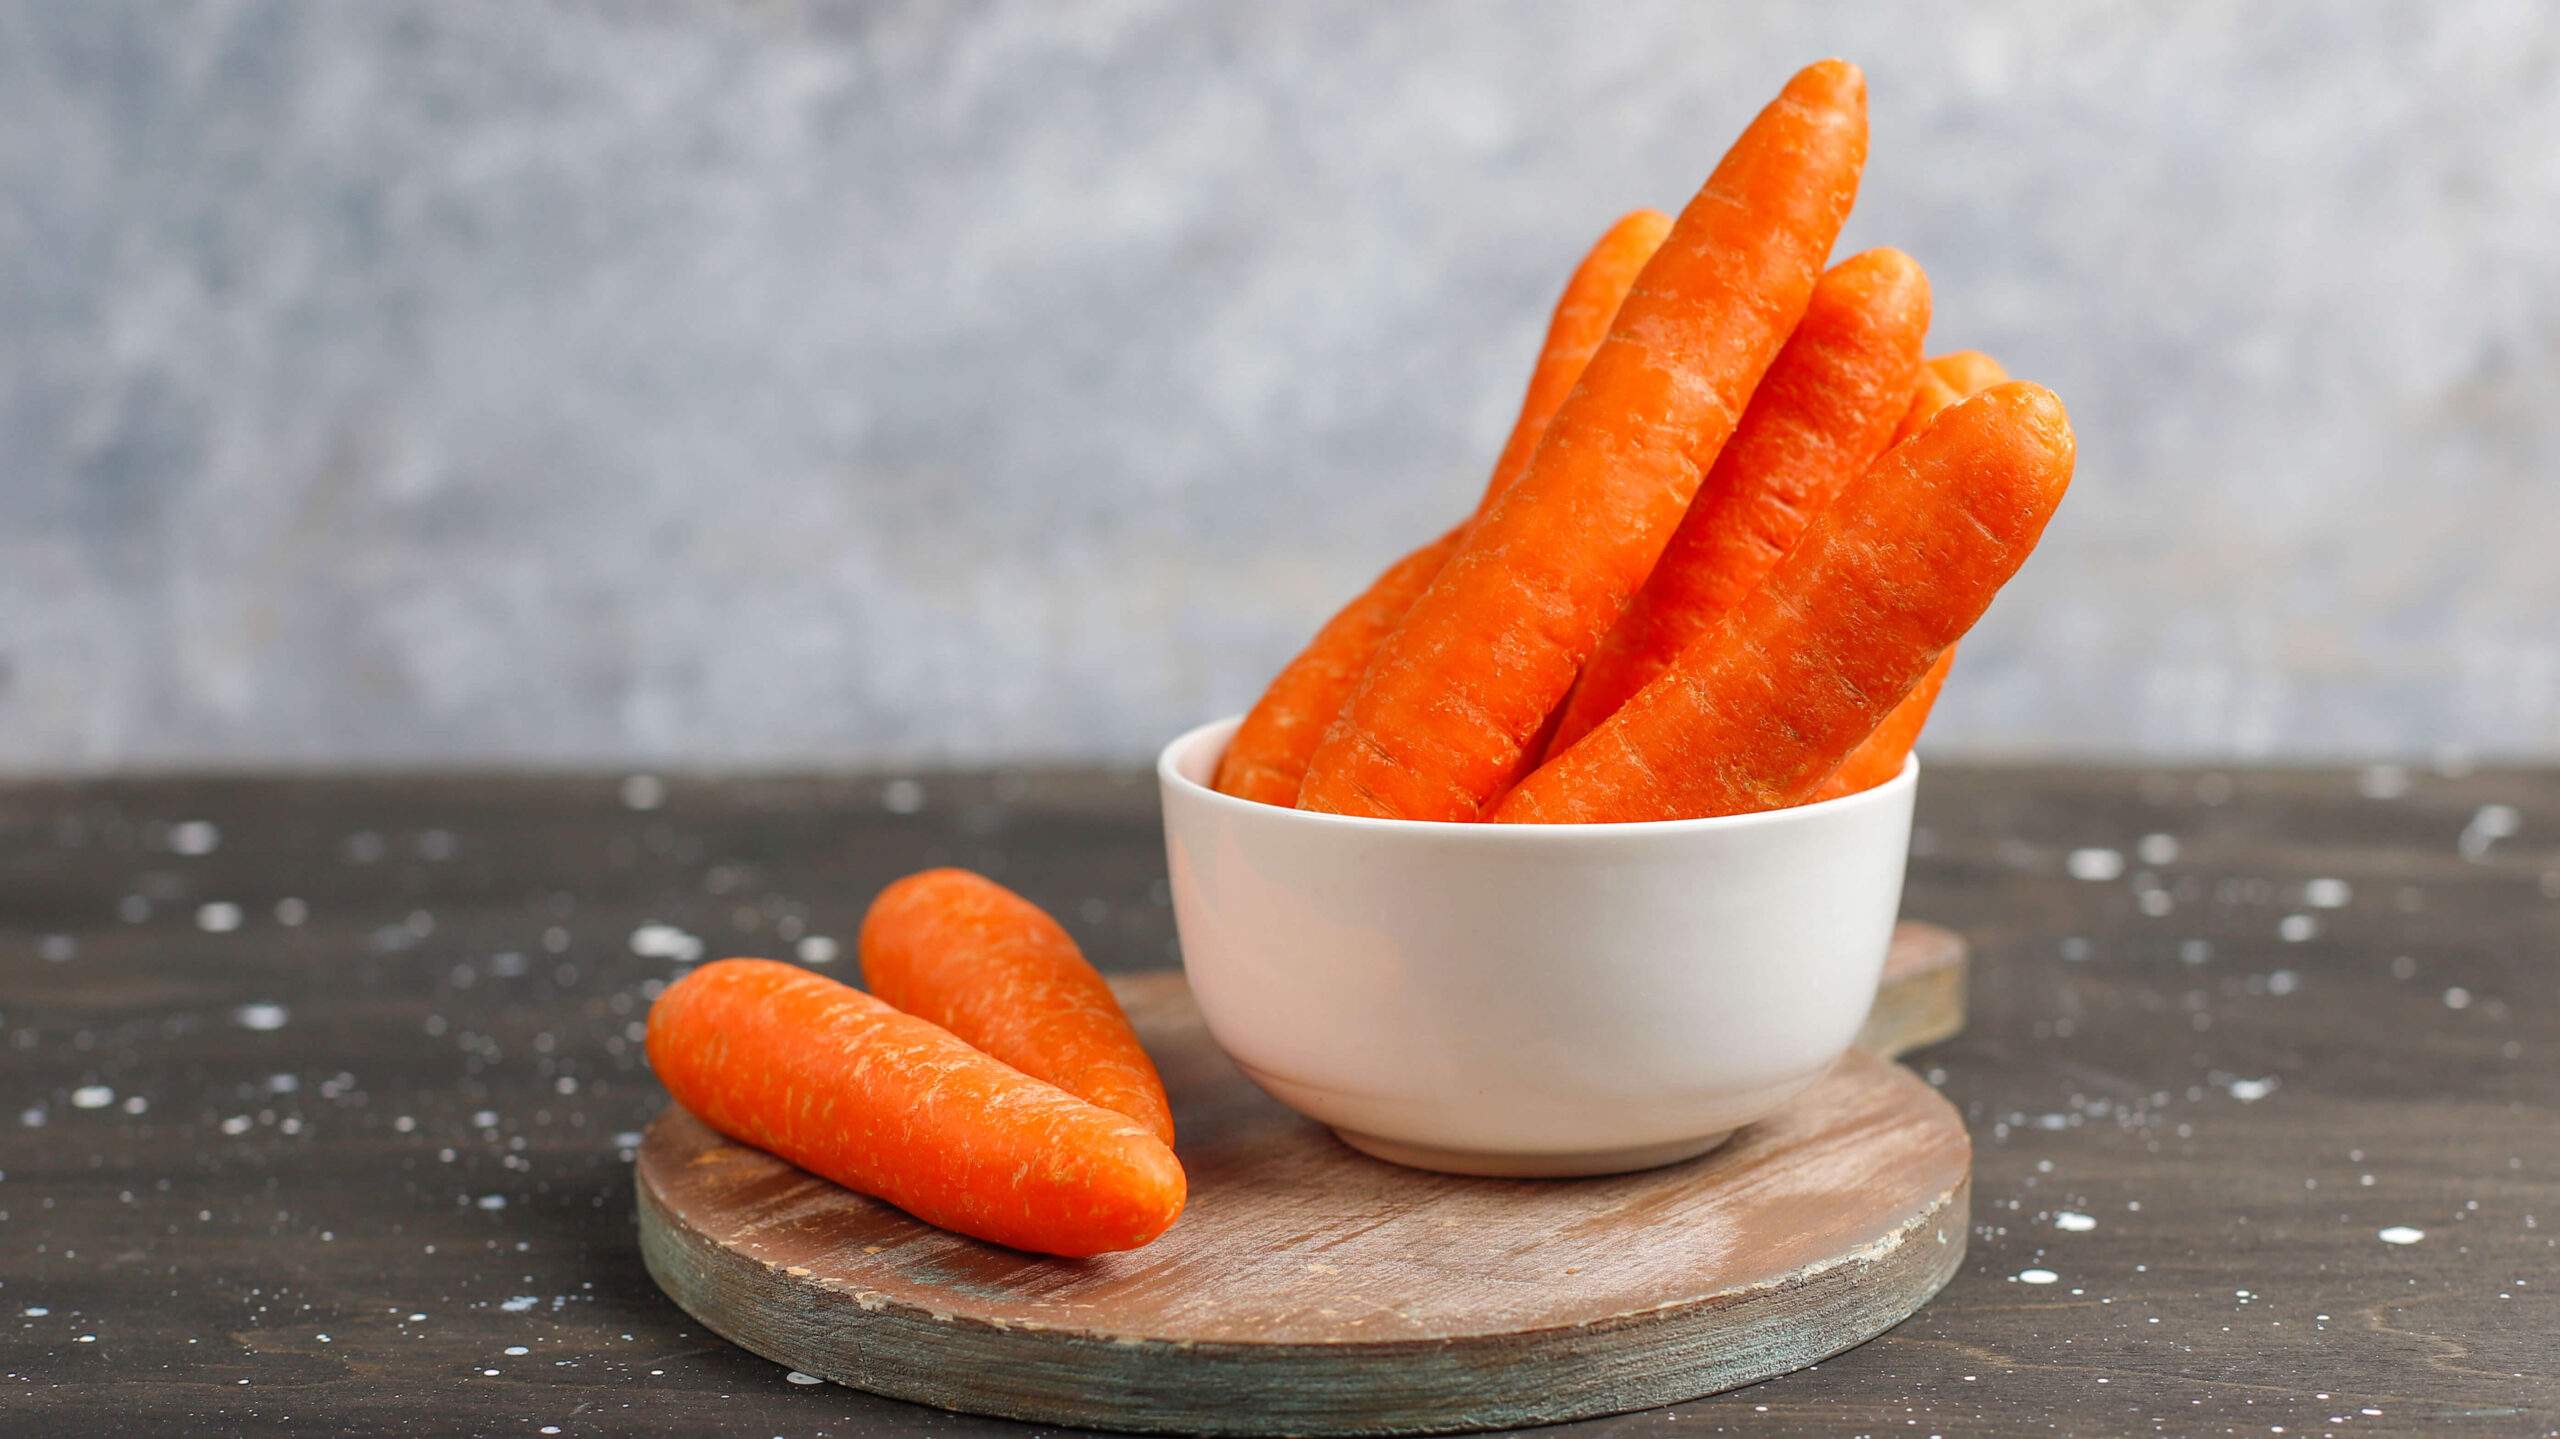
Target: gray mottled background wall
(496,381)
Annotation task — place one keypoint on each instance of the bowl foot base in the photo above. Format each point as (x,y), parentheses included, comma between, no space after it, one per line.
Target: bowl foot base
(1530,1166)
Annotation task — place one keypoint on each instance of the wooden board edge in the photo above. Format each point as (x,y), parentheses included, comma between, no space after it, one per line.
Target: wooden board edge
(1921,1000)
(1617,1365)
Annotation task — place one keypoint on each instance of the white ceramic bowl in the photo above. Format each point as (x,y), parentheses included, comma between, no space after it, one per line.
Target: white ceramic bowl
(1531,999)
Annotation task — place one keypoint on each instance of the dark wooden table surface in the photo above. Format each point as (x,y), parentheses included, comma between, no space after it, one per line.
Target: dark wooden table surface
(317,1096)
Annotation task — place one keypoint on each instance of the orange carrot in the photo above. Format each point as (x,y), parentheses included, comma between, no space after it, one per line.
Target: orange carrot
(1969,372)
(1454,697)
(1581,321)
(1929,395)
(1760,710)
(1945,380)
(964,952)
(1267,758)
(1821,416)
(1959,375)
(1879,756)
(884,1103)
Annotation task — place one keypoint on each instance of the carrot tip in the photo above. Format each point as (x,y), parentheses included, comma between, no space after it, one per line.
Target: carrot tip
(1833,81)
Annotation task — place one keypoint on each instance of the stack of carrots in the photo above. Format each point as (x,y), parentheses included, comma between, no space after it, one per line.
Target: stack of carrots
(1721,567)
(1728,550)
(988,1083)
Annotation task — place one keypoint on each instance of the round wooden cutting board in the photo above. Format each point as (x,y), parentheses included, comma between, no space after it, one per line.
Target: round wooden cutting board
(1309,1289)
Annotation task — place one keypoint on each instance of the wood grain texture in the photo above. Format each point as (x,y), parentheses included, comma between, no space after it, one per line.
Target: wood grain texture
(1309,1289)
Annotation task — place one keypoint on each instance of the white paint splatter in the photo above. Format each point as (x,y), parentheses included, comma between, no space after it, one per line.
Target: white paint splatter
(2037,1276)
(665,941)
(2096,865)
(2492,823)
(2401,1234)
(2073,1222)
(261,1016)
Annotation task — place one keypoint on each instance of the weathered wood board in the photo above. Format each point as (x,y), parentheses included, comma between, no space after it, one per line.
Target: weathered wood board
(1921,1000)
(1309,1289)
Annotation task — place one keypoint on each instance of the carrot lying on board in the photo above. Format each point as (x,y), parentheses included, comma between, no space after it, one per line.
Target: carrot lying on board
(1821,415)
(1879,757)
(885,1103)
(1761,709)
(1456,695)
(964,952)
(1267,758)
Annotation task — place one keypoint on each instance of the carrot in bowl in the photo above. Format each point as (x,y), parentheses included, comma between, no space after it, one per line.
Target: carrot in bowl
(1968,372)
(1455,697)
(1581,321)
(1760,710)
(1879,756)
(1929,394)
(964,952)
(1267,758)
(889,1105)
(1821,415)
(1945,380)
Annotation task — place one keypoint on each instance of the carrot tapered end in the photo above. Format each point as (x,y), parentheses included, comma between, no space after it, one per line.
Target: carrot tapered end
(1969,371)
(1834,84)
(2042,421)
(1892,284)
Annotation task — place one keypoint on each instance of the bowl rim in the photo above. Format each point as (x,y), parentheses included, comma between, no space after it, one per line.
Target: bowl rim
(1171,778)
